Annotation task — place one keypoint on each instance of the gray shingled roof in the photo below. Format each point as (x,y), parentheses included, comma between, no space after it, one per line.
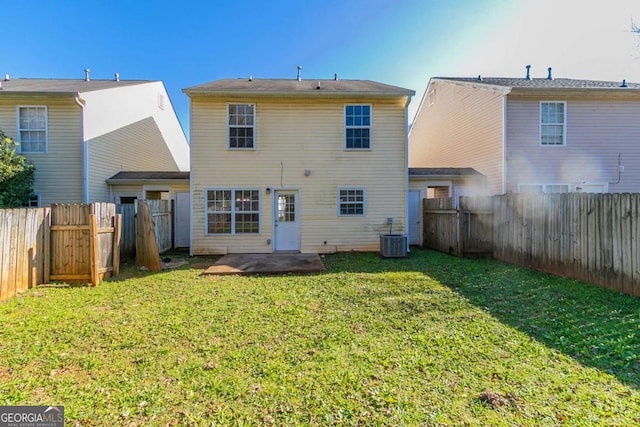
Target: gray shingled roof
(125,176)
(443,172)
(542,83)
(61,86)
(292,86)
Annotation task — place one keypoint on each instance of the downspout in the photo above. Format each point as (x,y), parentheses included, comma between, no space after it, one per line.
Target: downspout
(504,141)
(85,152)
(406,170)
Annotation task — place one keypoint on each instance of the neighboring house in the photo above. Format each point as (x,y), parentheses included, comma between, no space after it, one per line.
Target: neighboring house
(297,165)
(78,133)
(532,134)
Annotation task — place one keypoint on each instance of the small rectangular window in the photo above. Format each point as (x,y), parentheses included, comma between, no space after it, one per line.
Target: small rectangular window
(32,129)
(351,202)
(34,201)
(233,211)
(358,127)
(544,188)
(241,126)
(553,123)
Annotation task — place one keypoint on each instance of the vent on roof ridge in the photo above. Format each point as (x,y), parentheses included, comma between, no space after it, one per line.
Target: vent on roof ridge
(86,75)
(335,76)
(479,78)
(250,78)
(624,83)
(528,76)
(117,77)
(549,76)
(299,67)
(6,77)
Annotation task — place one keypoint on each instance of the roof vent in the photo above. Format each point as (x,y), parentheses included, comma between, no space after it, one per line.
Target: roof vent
(549,76)
(6,78)
(318,87)
(0,85)
(335,76)
(116,77)
(250,78)
(299,67)
(86,75)
(528,77)
(479,78)
(624,84)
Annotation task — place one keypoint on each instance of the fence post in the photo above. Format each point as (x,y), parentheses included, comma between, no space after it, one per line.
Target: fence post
(117,229)
(93,249)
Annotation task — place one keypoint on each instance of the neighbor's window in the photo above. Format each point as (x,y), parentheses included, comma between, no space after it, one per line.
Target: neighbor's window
(544,188)
(553,119)
(351,202)
(358,127)
(34,200)
(241,126)
(32,129)
(233,211)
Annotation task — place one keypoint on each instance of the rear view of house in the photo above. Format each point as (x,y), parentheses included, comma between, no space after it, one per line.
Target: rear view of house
(532,134)
(297,165)
(79,133)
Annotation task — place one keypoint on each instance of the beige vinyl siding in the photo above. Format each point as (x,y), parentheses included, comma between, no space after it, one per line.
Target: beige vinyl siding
(58,176)
(597,131)
(291,137)
(463,128)
(135,147)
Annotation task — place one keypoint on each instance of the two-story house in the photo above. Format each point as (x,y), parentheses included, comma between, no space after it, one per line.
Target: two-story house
(297,165)
(80,132)
(532,134)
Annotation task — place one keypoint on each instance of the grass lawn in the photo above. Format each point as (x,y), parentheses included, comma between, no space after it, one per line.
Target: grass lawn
(428,340)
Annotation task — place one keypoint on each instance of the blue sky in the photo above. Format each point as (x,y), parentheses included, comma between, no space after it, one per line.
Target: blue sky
(399,42)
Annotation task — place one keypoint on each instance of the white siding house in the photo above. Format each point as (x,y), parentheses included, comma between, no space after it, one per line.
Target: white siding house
(532,134)
(80,132)
(296,165)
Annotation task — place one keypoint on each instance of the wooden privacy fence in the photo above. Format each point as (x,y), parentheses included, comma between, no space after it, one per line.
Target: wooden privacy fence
(73,243)
(85,242)
(590,237)
(162,223)
(24,242)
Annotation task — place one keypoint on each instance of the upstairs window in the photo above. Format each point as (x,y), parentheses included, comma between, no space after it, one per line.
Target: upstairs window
(241,126)
(32,129)
(358,127)
(553,123)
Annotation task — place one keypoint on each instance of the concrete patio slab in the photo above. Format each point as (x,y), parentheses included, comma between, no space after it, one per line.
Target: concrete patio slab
(266,263)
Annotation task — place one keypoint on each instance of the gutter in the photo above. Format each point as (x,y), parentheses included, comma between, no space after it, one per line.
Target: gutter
(85,151)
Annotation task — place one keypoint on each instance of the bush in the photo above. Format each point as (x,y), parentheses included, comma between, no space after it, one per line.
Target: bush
(16,175)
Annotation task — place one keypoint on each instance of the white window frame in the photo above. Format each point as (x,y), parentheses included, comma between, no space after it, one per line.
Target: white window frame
(563,124)
(340,203)
(232,212)
(432,97)
(368,127)
(20,129)
(236,126)
(543,188)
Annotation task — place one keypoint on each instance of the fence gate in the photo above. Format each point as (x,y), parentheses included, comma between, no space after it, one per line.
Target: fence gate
(84,242)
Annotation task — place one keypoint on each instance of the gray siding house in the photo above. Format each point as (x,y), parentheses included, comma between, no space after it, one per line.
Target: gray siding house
(532,134)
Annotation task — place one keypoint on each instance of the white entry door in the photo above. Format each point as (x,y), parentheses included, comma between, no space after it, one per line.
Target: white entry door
(286,221)
(182,220)
(415,213)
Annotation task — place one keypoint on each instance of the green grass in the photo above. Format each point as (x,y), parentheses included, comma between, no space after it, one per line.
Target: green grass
(428,340)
